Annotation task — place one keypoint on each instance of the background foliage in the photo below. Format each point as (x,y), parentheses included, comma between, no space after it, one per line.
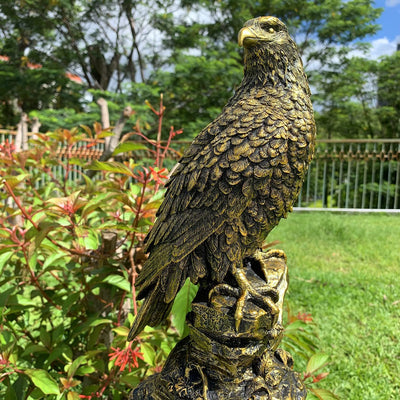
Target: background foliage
(69,254)
(130,50)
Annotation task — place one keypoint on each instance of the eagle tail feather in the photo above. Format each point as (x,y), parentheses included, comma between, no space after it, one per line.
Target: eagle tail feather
(152,312)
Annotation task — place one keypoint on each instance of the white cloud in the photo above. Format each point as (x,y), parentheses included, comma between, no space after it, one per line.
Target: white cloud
(392,3)
(383,46)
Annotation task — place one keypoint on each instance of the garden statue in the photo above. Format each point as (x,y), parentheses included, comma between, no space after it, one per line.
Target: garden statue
(238,178)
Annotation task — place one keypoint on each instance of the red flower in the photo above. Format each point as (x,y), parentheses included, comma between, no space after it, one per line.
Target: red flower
(306,317)
(4,361)
(319,377)
(158,175)
(73,77)
(33,65)
(7,148)
(127,356)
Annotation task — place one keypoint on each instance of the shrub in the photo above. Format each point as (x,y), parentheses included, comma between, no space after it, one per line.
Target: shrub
(69,254)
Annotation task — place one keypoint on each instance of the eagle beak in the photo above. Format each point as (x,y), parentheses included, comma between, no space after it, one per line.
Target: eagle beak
(247,37)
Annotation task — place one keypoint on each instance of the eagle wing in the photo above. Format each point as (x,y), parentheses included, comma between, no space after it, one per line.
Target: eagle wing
(211,185)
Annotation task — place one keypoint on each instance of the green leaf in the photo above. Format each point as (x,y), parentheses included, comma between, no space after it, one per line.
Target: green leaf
(89,183)
(36,394)
(316,361)
(57,332)
(130,379)
(44,228)
(4,258)
(166,347)
(32,261)
(43,381)
(71,369)
(54,259)
(70,301)
(129,146)
(110,166)
(96,203)
(4,297)
(10,394)
(100,321)
(14,181)
(87,238)
(20,386)
(73,396)
(119,281)
(34,348)
(323,394)
(135,190)
(45,337)
(295,326)
(62,352)
(182,305)
(85,370)
(77,161)
(121,331)
(149,355)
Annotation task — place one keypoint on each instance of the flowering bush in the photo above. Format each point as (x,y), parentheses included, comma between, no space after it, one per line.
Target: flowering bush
(69,254)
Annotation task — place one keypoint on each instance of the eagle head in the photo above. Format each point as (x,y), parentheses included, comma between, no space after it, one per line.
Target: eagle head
(269,51)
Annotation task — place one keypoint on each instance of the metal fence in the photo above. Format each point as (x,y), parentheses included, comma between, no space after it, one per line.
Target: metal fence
(362,175)
(353,174)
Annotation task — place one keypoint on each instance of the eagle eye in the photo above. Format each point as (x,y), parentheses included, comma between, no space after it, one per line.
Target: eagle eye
(266,26)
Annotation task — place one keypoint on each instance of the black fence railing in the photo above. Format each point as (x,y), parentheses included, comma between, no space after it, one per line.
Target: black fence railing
(344,174)
(353,174)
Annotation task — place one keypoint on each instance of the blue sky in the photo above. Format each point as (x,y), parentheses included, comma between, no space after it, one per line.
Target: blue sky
(386,39)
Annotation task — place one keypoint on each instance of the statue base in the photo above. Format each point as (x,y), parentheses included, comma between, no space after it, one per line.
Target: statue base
(220,361)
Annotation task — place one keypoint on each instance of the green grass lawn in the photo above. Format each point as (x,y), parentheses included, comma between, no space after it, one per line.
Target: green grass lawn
(344,269)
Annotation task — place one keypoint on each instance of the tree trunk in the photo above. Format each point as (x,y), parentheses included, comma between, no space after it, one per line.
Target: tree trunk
(115,138)
(113,141)
(21,140)
(105,117)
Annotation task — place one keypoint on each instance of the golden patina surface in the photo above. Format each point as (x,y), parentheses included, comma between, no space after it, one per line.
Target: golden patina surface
(234,183)
(218,361)
(237,179)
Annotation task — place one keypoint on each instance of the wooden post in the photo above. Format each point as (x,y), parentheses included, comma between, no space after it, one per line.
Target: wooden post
(35,127)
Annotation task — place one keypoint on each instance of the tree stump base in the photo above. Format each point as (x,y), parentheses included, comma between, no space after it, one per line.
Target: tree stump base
(220,360)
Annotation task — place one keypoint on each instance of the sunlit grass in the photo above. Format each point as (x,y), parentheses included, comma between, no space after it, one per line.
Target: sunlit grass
(345,270)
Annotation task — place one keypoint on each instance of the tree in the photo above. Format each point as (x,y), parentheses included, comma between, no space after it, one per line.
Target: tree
(185,49)
(346,97)
(99,41)
(361,99)
(204,68)
(388,88)
(322,29)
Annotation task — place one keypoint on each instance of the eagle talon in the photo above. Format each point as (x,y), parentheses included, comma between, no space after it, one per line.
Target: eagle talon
(265,298)
(223,289)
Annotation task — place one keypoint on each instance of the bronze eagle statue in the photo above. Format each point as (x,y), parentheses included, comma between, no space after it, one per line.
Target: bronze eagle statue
(237,179)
